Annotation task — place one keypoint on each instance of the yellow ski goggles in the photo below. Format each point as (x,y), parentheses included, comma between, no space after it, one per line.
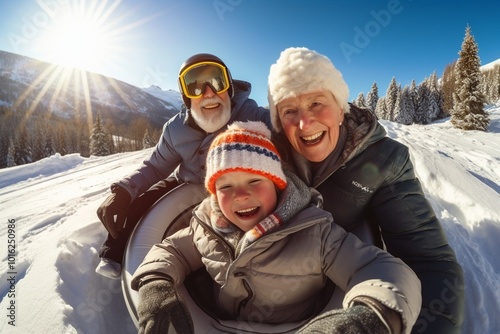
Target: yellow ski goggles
(196,77)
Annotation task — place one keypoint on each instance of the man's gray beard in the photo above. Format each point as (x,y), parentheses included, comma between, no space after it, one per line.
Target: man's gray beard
(211,122)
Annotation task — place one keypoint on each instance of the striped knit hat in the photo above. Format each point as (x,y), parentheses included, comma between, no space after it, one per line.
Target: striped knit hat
(244,147)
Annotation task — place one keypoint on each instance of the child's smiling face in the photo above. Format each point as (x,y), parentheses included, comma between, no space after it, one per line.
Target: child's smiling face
(245,198)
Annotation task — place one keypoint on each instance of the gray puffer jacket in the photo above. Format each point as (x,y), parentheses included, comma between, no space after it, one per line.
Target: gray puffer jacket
(281,276)
(183,146)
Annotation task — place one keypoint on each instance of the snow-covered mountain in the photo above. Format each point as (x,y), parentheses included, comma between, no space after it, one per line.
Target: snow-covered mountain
(173,97)
(37,86)
(49,214)
(490,65)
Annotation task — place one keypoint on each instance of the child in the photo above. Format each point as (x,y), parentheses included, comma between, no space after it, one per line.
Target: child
(270,252)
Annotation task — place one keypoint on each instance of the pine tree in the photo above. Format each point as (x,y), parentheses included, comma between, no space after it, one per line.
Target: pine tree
(398,106)
(99,139)
(381,109)
(372,97)
(390,98)
(360,100)
(10,160)
(147,141)
(405,107)
(436,98)
(22,148)
(468,111)
(447,89)
(495,85)
(414,96)
(49,147)
(62,141)
(38,141)
(4,145)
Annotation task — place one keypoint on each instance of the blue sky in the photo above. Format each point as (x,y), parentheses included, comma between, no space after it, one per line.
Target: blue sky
(145,42)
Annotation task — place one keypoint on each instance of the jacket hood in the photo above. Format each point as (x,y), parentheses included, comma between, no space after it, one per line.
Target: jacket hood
(362,131)
(242,90)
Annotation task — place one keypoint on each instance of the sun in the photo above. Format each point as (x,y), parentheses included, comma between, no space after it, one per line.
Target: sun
(80,43)
(81,37)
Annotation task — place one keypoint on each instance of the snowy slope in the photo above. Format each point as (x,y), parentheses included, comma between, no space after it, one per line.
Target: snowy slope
(51,205)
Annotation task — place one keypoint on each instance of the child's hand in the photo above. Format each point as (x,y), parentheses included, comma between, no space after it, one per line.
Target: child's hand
(159,307)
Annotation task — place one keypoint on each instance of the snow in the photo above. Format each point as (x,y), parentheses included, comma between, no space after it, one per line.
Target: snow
(48,212)
(171,96)
(490,65)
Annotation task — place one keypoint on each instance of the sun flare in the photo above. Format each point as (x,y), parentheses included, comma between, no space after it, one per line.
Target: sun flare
(79,39)
(81,36)
(79,43)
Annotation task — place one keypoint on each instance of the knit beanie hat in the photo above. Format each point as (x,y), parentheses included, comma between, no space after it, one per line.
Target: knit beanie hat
(299,71)
(244,147)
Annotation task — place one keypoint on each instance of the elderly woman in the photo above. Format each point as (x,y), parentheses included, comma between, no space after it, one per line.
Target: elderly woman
(367,179)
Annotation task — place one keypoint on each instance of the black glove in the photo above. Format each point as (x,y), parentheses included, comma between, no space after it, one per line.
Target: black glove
(159,306)
(116,204)
(358,319)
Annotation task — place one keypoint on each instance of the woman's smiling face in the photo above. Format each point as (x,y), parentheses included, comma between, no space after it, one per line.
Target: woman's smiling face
(311,123)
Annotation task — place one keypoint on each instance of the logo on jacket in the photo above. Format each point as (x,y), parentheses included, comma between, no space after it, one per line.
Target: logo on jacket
(362,187)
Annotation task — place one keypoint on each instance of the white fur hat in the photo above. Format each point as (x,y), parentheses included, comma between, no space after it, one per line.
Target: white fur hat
(299,71)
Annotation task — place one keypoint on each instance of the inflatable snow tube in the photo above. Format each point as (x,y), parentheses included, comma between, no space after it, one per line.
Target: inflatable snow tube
(168,215)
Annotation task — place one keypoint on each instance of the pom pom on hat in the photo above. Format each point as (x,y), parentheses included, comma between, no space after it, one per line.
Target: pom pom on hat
(244,147)
(299,71)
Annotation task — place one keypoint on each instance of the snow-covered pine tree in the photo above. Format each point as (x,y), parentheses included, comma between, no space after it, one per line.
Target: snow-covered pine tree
(435,98)
(372,97)
(381,109)
(390,98)
(99,139)
(468,111)
(423,103)
(360,100)
(414,96)
(448,87)
(405,106)
(495,85)
(397,107)
(490,86)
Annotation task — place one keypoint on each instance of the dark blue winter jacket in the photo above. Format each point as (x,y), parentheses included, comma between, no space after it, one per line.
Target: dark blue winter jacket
(373,184)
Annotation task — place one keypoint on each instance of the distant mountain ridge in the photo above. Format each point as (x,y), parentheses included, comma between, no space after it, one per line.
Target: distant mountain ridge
(490,65)
(35,86)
